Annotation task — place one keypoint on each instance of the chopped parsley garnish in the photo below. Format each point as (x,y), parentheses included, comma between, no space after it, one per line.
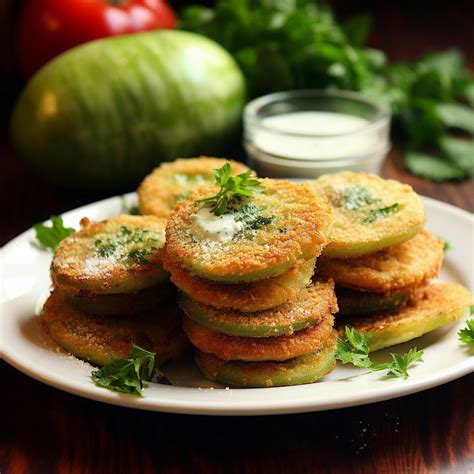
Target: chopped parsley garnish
(249,215)
(466,335)
(233,190)
(49,237)
(381,213)
(356,197)
(126,375)
(354,349)
(118,246)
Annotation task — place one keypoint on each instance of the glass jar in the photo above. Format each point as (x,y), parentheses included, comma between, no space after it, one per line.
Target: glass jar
(307,133)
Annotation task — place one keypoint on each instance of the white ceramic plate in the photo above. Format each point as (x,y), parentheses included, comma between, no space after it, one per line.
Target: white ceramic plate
(24,346)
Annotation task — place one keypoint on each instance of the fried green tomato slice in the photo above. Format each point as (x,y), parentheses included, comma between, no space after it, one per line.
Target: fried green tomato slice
(370,213)
(433,307)
(307,310)
(307,368)
(120,303)
(258,349)
(265,236)
(355,303)
(410,264)
(247,297)
(122,254)
(166,185)
(98,339)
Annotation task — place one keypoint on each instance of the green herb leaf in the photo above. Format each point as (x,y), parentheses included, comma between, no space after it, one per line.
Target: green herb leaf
(233,190)
(400,363)
(459,151)
(126,375)
(355,350)
(457,116)
(127,208)
(466,335)
(381,213)
(431,167)
(49,237)
(447,245)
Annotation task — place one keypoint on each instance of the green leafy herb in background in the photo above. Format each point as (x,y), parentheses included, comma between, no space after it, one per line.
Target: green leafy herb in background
(49,237)
(233,189)
(354,349)
(466,335)
(126,375)
(296,44)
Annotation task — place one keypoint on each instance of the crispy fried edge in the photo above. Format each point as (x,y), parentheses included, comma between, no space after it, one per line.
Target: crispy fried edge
(258,349)
(157,195)
(435,306)
(349,238)
(112,336)
(400,267)
(312,304)
(119,279)
(246,260)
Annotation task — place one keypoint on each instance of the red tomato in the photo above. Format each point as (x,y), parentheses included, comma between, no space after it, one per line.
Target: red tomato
(48,27)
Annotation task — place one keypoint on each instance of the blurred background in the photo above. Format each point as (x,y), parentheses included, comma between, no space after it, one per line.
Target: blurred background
(425,79)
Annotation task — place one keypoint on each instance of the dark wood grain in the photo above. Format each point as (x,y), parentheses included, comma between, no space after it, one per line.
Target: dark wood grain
(44,430)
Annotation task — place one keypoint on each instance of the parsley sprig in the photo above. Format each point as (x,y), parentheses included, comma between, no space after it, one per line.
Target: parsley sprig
(49,237)
(466,335)
(355,350)
(233,190)
(128,375)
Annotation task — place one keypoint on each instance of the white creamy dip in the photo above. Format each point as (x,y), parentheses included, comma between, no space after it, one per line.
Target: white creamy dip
(321,135)
(206,225)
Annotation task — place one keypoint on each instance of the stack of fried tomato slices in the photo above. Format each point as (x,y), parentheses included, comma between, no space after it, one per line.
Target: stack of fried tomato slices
(244,271)
(383,260)
(109,291)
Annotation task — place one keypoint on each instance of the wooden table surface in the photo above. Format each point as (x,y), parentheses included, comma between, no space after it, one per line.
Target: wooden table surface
(44,430)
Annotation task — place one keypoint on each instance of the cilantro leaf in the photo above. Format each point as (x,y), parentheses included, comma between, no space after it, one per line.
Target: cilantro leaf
(233,190)
(459,151)
(355,350)
(400,363)
(356,197)
(126,375)
(457,115)
(49,237)
(466,335)
(381,213)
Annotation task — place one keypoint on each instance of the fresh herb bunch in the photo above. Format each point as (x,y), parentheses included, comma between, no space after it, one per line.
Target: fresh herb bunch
(354,349)
(128,375)
(295,44)
(49,237)
(233,190)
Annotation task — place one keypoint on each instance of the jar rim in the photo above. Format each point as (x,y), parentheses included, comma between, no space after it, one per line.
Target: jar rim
(252,119)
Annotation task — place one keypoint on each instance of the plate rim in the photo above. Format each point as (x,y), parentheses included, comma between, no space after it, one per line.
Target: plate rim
(229,407)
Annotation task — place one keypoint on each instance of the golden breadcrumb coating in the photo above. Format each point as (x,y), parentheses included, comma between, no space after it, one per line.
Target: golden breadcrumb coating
(99,339)
(121,254)
(358,227)
(311,305)
(410,264)
(432,307)
(246,297)
(160,191)
(258,349)
(300,222)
